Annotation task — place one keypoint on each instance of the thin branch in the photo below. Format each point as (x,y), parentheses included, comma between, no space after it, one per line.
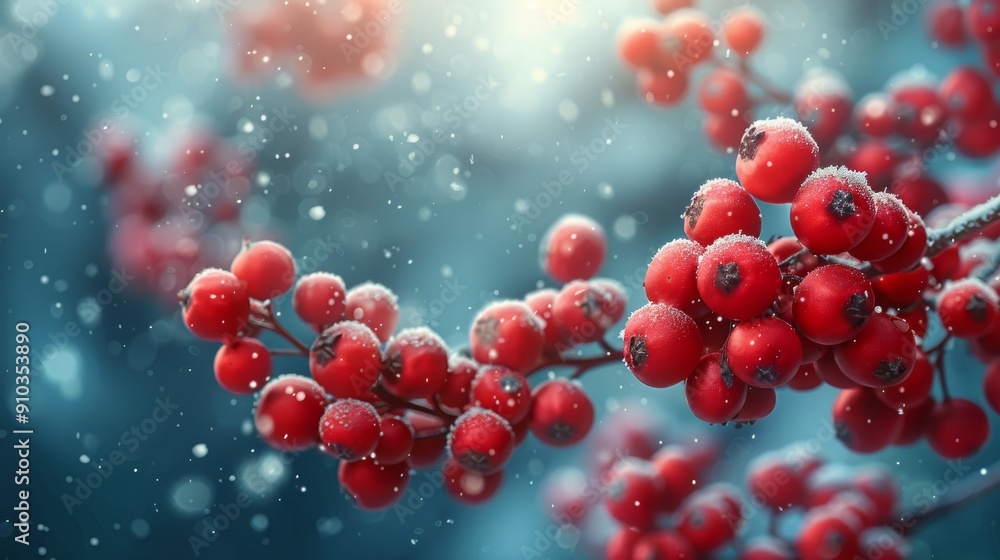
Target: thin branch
(964,226)
(774,92)
(288,352)
(960,494)
(398,402)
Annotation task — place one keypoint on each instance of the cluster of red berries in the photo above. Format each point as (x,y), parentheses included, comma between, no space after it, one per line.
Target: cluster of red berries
(955,24)
(384,401)
(324,45)
(666,507)
(845,302)
(173,219)
(665,53)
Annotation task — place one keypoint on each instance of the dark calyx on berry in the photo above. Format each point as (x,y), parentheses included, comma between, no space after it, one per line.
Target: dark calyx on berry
(345,452)
(751,141)
(858,309)
(842,431)
(766,374)
(842,205)
(184,296)
(590,306)
(694,210)
(977,308)
(474,461)
(510,384)
(560,431)
(727,277)
(637,351)
(890,370)
(486,330)
(727,373)
(325,347)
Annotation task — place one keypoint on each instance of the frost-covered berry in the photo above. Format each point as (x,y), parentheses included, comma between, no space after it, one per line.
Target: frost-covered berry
(573,248)
(288,412)
(267,268)
(481,441)
(375,306)
(215,305)
(243,365)
(346,359)
(349,429)
(775,157)
(319,299)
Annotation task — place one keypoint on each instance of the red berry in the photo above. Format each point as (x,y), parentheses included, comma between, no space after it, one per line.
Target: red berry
(920,113)
(806,379)
(507,333)
(901,289)
(503,391)
(457,390)
(346,360)
(991,385)
(373,485)
(375,306)
(664,545)
(743,29)
(827,536)
(481,441)
(784,247)
(982,18)
(671,277)
(719,208)
(706,522)
(916,317)
(968,308)
(470,487)
(416,363)
(678,476)
(738,278)
(823,104)
(662,345)
(319,299)
(267,268)
(980,137)
(726,131)
(881,355)
(562,413)
(215,305)
(876,160)
(540,302)
(888,231)
(764,352)
(776,483)
(775,157)
(585,311)
(666,6)
(967,94)
(242,365)
(919,191)
(914,422)
(913,390)
(875,116)
(957,428)
(639,45)
(662,89)
(878,484)
(832,304)
(766,548)
(831,374)
(714,394)
(395,441)
(722,92)
(622,544)
(760,403)
(946,23)
(833,211)
(288,412)
(428,439)
(573,248)
(688,38)
(864,423)
(632,492)
(349,429)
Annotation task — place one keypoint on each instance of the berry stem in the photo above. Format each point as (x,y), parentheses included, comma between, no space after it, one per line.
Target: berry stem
(965,225)
(960,494)
(793,258)
(772,91)
(938,351)
(288,352)
(393,400)
(582,365)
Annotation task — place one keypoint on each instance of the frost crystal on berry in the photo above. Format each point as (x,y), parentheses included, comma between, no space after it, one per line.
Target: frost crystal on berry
(842,205)
(727,277)
(751,141)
